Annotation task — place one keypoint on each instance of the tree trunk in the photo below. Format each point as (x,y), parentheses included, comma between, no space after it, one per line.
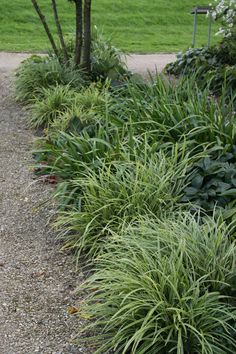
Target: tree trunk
(79,31)
(87,35)
(45,25)
(59,31)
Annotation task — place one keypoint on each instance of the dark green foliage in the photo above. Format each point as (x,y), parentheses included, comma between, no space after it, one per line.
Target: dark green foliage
(215,65)
(68,156)
(106,60)
(227,50)
(213,182)
(204,59)
(193,59)
(68,152)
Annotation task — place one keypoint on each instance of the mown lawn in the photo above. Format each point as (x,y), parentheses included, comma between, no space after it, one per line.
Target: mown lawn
(143,26)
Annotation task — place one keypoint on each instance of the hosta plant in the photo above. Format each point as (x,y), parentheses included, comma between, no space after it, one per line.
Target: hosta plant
(213,181)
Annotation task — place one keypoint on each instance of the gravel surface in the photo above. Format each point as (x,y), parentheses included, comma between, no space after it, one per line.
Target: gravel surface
(153,63)
(37,282)
(138,63)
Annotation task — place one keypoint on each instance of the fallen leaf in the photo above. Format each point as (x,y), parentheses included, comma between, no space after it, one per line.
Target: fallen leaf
(72,310)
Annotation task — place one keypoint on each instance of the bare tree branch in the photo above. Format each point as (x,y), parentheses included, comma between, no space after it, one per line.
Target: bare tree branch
(79,31)
(59,31)
(87,35)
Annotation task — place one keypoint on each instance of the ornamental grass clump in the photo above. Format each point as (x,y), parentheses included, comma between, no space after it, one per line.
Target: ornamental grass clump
(91,106)
(161,287)
(173,112)
(66,154)
(37,73)
(119,192)
(53,102)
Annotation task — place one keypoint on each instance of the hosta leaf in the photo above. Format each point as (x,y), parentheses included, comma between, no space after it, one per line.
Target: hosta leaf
(229,192)
(233,182)
(212,192)
(222,187)
(191,191)
(197,181)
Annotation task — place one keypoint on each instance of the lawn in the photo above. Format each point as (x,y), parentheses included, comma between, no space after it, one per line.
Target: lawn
(136,26)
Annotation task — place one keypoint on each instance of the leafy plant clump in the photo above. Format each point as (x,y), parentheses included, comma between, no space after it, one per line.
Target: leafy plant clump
(37,73)
(106,60)
(133,161)
(161,287)
(215,65)
(68,157)
(213,182)
(53,102)
(119,192)
(172,112)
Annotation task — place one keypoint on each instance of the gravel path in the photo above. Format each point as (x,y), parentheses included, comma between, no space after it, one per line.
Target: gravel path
(37,283)
(140,63)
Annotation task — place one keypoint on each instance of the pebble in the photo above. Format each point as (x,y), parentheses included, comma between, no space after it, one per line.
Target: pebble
(33,309)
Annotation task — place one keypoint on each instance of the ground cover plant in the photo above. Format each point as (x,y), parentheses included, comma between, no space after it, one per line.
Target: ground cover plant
(39,73)
(52,102)
(215,65)
(119,192)
(107,124)
(213,181)
(145,182)
(168,112)
(162,287)
(154,26)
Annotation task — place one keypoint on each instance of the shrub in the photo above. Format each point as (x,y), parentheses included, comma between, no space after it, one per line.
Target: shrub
(225,76)
(118,192)
(193,59)
(52,103)
(37,73)
(159,289)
